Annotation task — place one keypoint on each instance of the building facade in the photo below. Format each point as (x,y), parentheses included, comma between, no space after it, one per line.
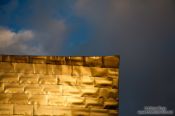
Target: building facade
(59,86)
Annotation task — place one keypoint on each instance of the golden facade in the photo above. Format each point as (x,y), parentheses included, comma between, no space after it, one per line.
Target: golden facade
(59,86)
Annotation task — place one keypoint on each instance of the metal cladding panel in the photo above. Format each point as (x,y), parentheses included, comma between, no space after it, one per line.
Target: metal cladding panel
(59,85)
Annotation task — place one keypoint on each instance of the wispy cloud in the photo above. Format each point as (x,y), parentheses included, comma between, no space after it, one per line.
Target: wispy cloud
(16,42)
(41,18)
(50,27)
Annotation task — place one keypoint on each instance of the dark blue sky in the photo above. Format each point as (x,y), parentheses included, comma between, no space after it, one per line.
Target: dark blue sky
(52,23)
(141,32)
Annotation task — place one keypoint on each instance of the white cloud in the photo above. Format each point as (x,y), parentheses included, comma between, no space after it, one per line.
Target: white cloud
(49,26)
(16,42)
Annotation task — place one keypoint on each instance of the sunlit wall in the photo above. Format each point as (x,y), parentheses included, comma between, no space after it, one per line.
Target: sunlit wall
(59,86)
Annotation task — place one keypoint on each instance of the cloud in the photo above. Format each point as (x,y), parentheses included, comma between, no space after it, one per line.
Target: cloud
(50,27)
(16,42)
(51,35)
(142,33)
(42,17)
(123,23)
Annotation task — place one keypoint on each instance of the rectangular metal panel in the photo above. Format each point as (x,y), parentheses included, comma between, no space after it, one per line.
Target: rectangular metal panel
(58,85)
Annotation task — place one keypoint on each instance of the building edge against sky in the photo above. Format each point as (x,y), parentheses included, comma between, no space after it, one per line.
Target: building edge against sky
(59,85)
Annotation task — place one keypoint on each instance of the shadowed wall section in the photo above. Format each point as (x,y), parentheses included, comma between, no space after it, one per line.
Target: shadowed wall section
(59,86)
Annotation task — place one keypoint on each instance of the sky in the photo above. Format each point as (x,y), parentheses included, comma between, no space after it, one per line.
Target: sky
(142,32)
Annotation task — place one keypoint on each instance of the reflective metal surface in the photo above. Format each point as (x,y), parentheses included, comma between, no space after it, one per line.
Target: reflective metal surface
(59,86)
